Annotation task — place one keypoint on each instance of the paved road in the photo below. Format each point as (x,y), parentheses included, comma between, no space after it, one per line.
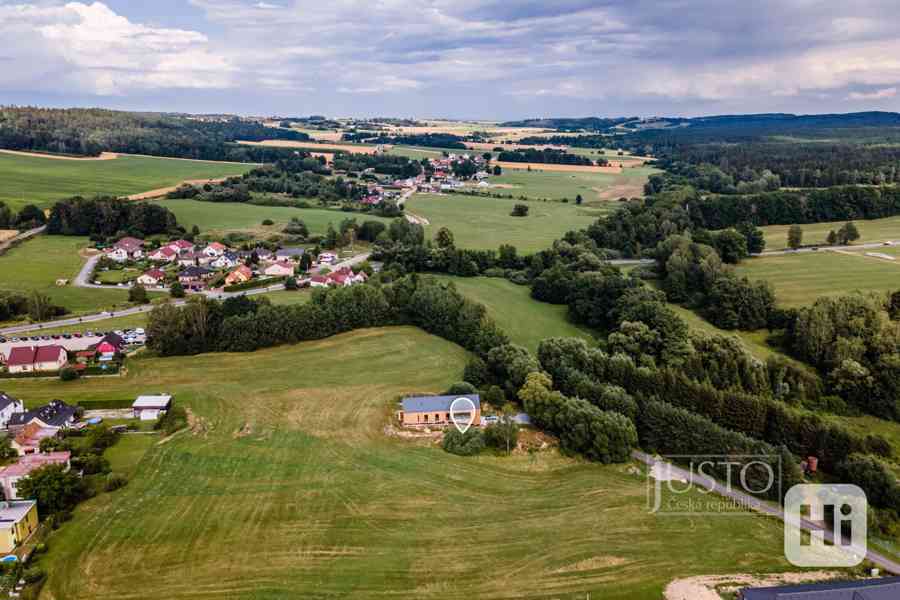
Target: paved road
(355,260)
(757,505)
(22,236)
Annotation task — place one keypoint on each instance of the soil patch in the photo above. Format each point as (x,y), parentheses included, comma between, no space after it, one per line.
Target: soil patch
(707,587)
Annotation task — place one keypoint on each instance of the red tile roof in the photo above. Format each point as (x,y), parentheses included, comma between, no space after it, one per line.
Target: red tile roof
(156,273)
(48,353)
(21,355)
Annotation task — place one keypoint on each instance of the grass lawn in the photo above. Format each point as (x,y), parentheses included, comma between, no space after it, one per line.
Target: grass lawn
(485,223)
(39,262)
(231,216)
(875,230)
(42,181)
(290,488)
(597,189)
(798,279)
(525,321)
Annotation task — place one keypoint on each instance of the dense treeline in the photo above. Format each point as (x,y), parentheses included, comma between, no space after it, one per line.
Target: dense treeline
(104,217)
(428,140)
(546,155)
(581,141)
(272,180)
(29,217)
(570,123)
(91,131)
(385,164)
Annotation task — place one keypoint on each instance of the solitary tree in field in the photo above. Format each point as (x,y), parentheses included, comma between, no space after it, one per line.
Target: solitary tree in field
(578,200)
(832,238)
(795,237)
(520,210)
(848,233)
(138,294)
(444,238)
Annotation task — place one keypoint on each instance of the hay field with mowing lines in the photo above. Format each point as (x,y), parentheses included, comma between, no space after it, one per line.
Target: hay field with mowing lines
(525,320)
(42,181)
(798,279)
(485,223)
(290,488)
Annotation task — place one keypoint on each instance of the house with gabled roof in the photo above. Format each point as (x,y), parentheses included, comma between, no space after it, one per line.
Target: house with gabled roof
(280,269)
(215,249)
(290,253)
(430,411)
(18,521)
(8,407)
(11,474)
(27,359)
(153,277)
(241,274)
(56,414)
(164,254)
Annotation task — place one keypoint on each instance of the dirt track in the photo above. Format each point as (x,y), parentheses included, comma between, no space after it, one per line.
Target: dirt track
(103,155)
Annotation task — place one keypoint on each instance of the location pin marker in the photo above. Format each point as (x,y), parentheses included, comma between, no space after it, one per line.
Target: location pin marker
(462,413)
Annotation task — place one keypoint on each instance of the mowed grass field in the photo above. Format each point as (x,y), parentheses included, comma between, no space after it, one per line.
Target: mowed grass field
(525,320)
(37,263)
(485,223)
(875,230)
(595,188)
(798,279)
(217,217)
(42,181)
(290,488)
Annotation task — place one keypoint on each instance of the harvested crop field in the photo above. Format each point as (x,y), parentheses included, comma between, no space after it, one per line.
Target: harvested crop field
(7,234)
(314,147)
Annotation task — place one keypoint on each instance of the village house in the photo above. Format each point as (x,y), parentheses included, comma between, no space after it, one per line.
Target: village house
(153,278)
(286,254)
(27,359)
(128,248)
(194,259)
(150,408)
(422,411)
(227,260)
(164,254)
(11,474)
(182,246)
(109,346)
(260,252)
(8,407)
(18,520)
(55,415)
(194,277)
(28,439)
(215,249)
(279,269)
(239,275)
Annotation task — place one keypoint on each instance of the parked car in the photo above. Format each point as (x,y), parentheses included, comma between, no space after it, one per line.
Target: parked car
(67,336)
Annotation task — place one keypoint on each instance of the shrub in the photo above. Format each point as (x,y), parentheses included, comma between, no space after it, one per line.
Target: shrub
(469,443)
(476,372)
(502,435)
(114,481)
(138,294)
(177,290)
(461,388)
(174,419)
(874,477)
(68,374)
(268,222)
(519,210)
(33,575)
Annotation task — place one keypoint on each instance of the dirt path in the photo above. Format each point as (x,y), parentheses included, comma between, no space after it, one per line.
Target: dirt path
(706,587)
(159,192)
(103,155)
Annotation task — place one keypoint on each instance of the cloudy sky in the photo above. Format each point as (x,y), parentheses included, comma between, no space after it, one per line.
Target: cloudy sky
(485,59)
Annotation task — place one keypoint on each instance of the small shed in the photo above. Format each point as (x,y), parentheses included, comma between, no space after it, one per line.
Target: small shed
(149,408)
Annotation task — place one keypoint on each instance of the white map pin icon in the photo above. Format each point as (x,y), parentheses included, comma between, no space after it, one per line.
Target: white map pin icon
(462,413)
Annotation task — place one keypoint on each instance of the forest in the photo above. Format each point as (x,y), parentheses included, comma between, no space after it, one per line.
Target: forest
(87,132)
(429,140)
(546,155)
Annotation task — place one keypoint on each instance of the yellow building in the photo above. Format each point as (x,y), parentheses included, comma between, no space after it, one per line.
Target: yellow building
(18,520)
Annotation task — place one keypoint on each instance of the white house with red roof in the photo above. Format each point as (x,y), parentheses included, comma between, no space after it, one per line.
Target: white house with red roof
(241,274)
(164,254)
(153,277)
(341,278)
(26,359)
(128,248)
(11,474)
(215,249)
(280,269)
(182,246)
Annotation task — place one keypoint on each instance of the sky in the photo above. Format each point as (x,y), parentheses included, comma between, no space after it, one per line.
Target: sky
(464,59)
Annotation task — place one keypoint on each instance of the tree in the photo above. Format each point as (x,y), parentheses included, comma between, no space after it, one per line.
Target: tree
(30,217)
(68,374)
(177,290)
(731,246)
(795,237)
(40,308)
(504,434)
(332,238)
(55,488)
(578,200)
(469,443)
(138,294)
(848,233)
(290,284)
(497,170)
(444,238)
(832,238)
(520,210)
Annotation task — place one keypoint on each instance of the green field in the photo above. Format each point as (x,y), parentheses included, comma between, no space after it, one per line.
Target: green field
(289,487)
(876,230)
(798,279)
(485,223)
(212,217)
(42,181)
(525,321)
(597,189)
(39,262)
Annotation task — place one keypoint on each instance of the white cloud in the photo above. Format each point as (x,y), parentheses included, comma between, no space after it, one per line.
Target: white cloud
(881,94)
(94,50)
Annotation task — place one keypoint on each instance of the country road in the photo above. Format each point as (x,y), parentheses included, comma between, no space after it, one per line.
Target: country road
(81,281)
(755,504)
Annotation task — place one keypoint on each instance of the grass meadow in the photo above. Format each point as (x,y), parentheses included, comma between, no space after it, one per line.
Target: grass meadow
(485,223)
(39,262)
(597,189)
(42,181)
(798,279)
(213,217)
(287,485)
(525,320)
